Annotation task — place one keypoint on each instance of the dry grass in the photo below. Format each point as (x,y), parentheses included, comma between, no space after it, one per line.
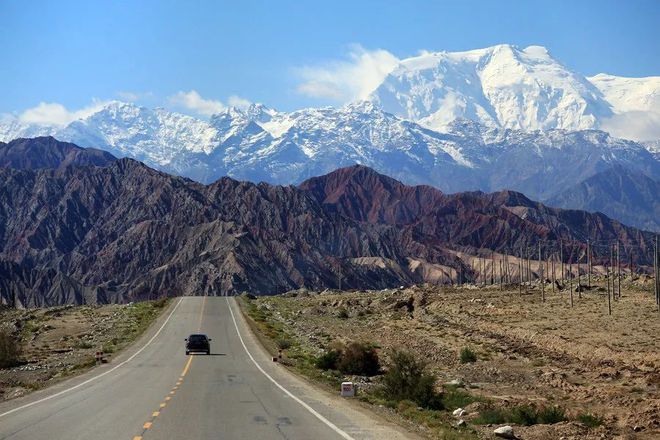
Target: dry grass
(529,352)
(58,342)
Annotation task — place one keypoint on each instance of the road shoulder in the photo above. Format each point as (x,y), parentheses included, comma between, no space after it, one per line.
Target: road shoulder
(350,416)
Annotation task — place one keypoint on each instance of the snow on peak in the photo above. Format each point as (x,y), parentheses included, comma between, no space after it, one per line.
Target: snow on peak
(501,86)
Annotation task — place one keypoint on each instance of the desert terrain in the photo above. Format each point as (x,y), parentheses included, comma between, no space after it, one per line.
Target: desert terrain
(599,372)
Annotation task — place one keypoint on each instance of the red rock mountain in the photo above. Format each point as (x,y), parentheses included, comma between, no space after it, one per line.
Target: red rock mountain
(86,233)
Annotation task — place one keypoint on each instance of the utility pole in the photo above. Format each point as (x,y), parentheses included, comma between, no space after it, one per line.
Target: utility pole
(631,266)
(541,274)
(609,300)
(520,271)
(607,276)
(589,262)
(579,286)
(570,276)
(529,271)
(561,260)
(612,272)
(553,277)
(618,268)
(656,273)
(492,268)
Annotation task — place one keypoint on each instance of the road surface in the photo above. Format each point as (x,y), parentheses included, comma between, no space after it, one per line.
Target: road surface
(155,391)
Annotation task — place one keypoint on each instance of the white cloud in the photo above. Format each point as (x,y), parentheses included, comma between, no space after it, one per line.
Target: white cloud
(635,125)
(134,96)
(53,113)
(193,101)
(347,80)
(237,101)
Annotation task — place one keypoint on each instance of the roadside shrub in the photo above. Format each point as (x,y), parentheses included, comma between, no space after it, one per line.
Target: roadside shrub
(453,398)
(490,416)
(550,415)
(590,420)
(283,343)
(467,355)
(359,358)
(160,303)
(525,415)
(342,313)
(10,349)
(328,360)
(406,379)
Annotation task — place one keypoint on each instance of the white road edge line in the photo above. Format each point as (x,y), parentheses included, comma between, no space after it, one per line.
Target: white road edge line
(91,379)
(305,405)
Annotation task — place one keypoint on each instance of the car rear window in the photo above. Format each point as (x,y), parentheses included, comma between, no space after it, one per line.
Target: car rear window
(197,338)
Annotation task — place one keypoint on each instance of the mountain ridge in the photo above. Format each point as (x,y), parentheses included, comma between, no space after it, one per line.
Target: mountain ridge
(123,231)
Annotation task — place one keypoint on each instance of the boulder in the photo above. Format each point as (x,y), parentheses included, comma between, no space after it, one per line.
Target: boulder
(504,432)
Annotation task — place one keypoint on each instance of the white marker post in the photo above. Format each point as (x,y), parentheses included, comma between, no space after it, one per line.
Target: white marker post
(347,389)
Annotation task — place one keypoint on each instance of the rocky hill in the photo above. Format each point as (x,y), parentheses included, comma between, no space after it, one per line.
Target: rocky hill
(83,234)
(47,152)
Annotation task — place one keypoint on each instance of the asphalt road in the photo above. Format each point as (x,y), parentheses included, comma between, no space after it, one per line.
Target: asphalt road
(155,391)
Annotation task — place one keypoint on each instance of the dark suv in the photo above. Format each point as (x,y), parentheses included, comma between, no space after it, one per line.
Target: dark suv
(198,344)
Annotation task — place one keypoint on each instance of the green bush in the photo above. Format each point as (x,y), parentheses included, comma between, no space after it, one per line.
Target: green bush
(328,360)
(283,343)
(342,314)
(360,359)
(491,416)
(550,415)
(406,379)
(10,349)
(453,398)
(467,355)
(590,420)
(525,415)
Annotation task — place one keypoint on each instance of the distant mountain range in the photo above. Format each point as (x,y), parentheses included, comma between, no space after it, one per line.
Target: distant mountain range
(86,231)
(490,119)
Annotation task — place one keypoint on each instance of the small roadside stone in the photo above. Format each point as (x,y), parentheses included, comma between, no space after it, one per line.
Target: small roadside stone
(504,432)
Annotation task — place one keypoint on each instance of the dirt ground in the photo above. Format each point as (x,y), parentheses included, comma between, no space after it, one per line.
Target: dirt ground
(529,351)
(59,342)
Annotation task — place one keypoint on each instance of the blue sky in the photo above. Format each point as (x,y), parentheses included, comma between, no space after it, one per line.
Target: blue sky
(70,53)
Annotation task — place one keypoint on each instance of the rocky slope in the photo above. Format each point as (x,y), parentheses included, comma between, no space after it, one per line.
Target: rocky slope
(46,152)
(632,197)
(125,231)
(501,221)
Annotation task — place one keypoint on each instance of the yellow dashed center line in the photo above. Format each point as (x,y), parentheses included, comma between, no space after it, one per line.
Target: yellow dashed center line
(155,414)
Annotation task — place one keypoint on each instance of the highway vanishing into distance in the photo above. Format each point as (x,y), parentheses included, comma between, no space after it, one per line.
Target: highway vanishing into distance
(154,391)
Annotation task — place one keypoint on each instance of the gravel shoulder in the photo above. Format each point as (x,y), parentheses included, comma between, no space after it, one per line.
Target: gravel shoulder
(58,343)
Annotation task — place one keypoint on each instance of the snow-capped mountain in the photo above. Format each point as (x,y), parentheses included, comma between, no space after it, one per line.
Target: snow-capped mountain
(629,94)
(508,87)
(501,86)
(259,143)
(488,119)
